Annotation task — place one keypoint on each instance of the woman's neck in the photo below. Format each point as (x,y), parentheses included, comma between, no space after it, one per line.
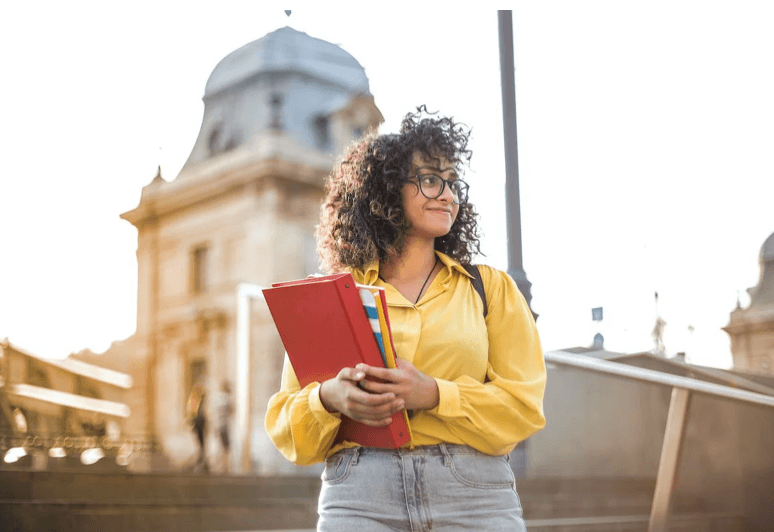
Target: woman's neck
(417,258)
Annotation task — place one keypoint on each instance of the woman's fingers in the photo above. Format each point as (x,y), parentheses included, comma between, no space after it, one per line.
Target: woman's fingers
(351,374)
(384,374)
(373,406)
(375,409)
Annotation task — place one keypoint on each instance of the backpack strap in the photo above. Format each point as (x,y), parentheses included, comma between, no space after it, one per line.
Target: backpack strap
(478,284)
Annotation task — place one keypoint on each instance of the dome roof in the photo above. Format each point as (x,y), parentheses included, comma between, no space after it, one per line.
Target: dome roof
(767,251)
(287,49)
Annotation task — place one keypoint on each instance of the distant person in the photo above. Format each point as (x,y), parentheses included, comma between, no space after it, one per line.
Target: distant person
(396,215)
(225,409)
(197,417)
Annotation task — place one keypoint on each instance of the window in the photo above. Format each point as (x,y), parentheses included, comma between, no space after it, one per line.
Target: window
(276,111)
(200,270)
(321,131)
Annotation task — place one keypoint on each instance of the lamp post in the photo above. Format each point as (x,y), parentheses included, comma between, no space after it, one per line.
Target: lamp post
(513,205)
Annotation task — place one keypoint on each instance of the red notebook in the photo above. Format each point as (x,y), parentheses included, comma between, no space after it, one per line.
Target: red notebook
(324,328)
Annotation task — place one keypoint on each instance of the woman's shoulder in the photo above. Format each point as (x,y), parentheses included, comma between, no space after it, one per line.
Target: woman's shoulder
(491,275)
(498,284)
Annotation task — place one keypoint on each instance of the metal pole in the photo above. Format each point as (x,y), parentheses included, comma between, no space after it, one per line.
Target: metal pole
(513,205)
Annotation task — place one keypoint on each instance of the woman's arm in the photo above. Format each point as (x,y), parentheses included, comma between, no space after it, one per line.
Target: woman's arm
(508,407)
(297,422)
(303,423)
(495,415)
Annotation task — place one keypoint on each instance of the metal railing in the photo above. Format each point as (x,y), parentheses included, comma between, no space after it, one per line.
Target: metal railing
(682,387)
(89,449)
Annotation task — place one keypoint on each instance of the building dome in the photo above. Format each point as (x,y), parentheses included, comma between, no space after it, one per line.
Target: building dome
(288,84)
(767,251)
(286,50)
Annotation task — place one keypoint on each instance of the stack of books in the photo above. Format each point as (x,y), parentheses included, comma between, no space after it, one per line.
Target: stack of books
(328,323)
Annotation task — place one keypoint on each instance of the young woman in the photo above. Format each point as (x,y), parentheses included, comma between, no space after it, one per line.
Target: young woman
(397,215)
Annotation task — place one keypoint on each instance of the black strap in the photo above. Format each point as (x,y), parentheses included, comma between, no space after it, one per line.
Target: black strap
(478,284)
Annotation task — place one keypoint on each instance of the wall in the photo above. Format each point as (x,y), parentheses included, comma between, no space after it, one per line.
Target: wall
(608,427)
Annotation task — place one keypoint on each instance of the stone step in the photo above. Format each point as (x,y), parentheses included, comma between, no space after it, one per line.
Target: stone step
(639,523)
(75,501)
(124,488)
(70,517)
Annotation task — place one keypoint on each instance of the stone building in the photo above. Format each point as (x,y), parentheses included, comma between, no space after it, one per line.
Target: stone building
(752,329)
(277,113)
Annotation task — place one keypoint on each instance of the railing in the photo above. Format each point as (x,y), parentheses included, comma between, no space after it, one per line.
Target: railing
(88,448)
(676,418)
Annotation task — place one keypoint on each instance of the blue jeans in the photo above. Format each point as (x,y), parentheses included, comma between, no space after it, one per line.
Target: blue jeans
(438,487)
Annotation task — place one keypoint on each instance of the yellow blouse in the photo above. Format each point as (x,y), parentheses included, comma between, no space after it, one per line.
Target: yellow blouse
(491,375)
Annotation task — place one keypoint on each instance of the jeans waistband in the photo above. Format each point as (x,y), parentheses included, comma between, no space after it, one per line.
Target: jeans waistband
(442,449)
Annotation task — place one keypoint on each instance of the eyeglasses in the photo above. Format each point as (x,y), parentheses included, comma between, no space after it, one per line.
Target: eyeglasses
(432,186)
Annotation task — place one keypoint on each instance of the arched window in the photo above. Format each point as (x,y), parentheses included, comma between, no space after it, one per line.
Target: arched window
(322,131)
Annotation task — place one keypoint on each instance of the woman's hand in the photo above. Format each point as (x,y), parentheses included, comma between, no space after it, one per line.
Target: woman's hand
(417,390)
(342,394)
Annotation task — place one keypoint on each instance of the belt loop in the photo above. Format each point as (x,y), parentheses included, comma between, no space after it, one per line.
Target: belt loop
(446,455)
(355,455)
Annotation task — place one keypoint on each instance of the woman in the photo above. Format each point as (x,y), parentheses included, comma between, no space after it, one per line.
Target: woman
(396,215)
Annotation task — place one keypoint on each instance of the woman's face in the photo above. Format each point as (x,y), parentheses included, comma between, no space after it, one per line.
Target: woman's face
(429,218)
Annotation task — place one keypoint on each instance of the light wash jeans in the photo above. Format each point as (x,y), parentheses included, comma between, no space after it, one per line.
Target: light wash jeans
(440,487)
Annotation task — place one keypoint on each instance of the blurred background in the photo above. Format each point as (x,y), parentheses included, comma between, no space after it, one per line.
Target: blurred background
(643,134)
(164,160)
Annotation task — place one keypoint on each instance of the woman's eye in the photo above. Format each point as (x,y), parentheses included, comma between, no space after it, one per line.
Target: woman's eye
(430,180)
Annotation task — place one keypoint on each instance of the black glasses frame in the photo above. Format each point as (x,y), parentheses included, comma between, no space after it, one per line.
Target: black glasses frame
(463,191)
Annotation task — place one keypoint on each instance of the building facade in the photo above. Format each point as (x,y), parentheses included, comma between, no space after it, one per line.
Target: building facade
(752,329)
(53,411)
(277,113)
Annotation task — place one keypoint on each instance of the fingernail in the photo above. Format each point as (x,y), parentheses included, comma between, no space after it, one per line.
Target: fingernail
(360,375)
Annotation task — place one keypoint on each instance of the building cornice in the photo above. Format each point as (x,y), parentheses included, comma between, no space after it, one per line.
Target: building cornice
(78,367)
(750,320)
(276,156)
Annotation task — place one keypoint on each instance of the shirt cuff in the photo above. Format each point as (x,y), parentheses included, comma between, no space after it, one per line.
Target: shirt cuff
(317,408)
(448,399)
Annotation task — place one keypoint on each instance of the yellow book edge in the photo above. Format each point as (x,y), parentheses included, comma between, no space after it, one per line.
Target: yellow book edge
(387,338)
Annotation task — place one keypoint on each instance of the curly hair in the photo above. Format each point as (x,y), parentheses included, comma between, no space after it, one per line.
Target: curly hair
(362,217)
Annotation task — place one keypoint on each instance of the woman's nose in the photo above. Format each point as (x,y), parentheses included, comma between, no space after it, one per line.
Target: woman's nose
(446,194)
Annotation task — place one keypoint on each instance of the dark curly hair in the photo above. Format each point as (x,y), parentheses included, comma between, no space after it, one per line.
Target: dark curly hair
(362,217)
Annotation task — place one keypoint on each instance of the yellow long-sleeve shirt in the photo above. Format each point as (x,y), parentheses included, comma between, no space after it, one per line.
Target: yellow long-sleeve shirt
(491,374)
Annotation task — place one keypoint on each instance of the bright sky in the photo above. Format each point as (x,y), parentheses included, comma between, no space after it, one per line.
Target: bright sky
(645,139)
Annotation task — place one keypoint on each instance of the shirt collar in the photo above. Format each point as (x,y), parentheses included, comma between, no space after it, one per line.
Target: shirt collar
(451,264)
(370,272)
(368,275)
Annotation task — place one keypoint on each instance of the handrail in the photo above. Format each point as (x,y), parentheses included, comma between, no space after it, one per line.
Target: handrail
(676,418)
(648,375)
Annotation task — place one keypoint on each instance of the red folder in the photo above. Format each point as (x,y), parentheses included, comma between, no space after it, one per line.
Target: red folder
(324,328)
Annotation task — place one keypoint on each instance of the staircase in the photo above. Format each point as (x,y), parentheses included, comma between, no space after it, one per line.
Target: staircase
(78,502)
(609,505)
(70,501)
